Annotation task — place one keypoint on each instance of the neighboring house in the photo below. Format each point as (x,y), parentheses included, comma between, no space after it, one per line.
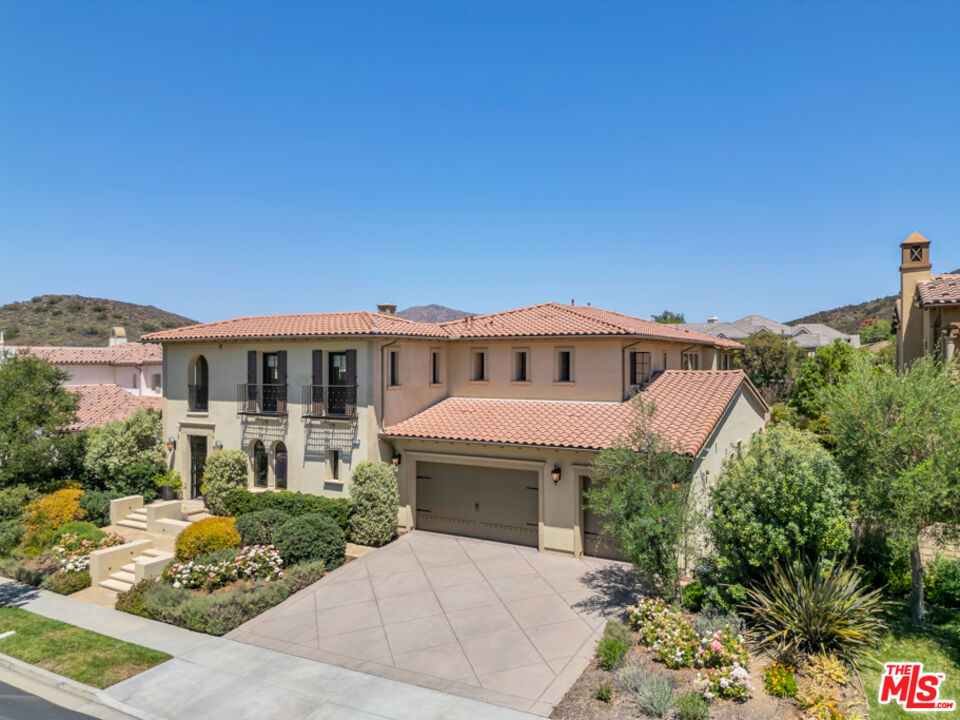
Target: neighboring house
(808,336)
(927,313)
(113,382)
(492,420)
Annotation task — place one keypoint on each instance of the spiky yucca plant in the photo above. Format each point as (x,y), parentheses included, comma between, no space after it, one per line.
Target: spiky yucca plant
(816,607)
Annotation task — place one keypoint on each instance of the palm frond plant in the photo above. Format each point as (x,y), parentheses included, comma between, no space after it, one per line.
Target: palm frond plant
(813,607)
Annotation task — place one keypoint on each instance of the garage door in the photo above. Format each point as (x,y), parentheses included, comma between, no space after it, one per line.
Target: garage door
(482,502)
(594,542)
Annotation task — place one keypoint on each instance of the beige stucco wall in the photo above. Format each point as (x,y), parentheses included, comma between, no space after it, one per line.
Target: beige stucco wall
(119,375)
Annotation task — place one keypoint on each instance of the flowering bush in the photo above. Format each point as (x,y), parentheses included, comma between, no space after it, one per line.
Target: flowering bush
(731,682)
(721,649)
(74,550)
(257,562)
(780,680)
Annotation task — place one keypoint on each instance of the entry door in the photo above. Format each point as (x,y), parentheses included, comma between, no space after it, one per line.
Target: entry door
(594,542)
(198,458)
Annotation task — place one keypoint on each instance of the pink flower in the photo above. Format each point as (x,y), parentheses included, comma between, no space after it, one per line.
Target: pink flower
(716,646)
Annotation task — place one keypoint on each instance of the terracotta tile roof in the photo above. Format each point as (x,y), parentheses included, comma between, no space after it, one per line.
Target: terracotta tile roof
(689,405)
(553,319)
(124,354)
(939,290)
(100,404)
(360,322)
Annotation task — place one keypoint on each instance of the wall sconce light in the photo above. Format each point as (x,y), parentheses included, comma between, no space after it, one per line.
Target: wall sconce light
(218,445)
(555,474)
(396,458)
(171,444)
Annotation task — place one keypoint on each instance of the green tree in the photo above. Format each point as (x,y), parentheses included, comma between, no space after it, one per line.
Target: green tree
(897,439)
(125,456)
(770,362)
(828,366)
(224,471)
(640,489)
(874,331)
(375,500)
(668,318)
(781,500)
(34,407)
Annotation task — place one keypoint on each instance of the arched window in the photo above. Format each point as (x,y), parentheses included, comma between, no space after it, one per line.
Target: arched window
(259,464)
(198,389)
(281,466)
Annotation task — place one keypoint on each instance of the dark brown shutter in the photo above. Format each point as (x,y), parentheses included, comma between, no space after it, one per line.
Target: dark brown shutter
(251,380)
(351,382)
(633,368)
(317,367)
(282,380)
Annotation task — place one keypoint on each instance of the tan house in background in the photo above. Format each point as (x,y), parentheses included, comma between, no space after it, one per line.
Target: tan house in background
(492,420)
(927,314)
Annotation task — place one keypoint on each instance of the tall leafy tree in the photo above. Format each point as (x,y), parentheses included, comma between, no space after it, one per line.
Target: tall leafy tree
(668,317)
(828,366)
(126,456)
(897,439)
(771,363)
(34,407)
(640,489)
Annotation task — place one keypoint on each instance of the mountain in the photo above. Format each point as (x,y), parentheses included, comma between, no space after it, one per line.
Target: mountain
(78,320)
(432,313)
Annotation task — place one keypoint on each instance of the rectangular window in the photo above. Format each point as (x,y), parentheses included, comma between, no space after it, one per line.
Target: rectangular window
(641,367)
(725,361)
(520,373)
(434,367)
(135,382)
(335,464)
(479,365)
(156,382)
(394,368)
(691,361)
(564,366)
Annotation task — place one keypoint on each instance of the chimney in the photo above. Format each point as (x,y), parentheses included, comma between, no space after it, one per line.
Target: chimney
(387,309)
(713,319)
(118,336)
(914,268)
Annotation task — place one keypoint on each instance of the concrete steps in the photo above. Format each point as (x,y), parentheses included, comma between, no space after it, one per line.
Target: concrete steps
(144,561)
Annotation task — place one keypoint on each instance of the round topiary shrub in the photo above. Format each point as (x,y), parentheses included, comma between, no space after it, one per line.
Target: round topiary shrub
(375,502)
(312,537)
(261,527)
(205,536)
(82,529)
(223,471)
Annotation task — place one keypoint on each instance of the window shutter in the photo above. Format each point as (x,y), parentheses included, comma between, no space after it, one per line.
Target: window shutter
(351,404)
(317,367)
(281,367)
(633,368)
(251,380)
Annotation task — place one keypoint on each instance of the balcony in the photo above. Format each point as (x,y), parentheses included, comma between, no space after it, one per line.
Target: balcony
(337,402)
(197,398)
(261,399)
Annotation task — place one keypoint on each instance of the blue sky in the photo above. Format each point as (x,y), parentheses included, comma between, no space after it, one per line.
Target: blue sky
(220,159)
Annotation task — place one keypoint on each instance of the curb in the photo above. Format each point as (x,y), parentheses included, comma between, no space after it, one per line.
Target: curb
(79,690)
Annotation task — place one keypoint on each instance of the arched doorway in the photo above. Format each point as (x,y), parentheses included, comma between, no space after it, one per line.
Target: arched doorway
(198,389)
(260,469)
(281,466)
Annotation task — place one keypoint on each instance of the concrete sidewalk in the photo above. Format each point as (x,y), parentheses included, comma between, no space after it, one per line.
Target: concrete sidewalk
(214,677)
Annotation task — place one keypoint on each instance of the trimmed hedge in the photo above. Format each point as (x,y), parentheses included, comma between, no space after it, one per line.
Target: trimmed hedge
(241,502)
(205,536)
(96,505)
(312,537)
(82,529)
(261,527)
(67,583)
(375,501)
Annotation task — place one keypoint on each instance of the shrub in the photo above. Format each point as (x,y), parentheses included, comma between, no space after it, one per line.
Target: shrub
(731,682)
(125,456)
(261,527)
(258,562)
(206,536)
(781,500)
(312,537)
(11,533)
(14,499)
(942,582)
(610,653)
(67,582)
(55,509)
(816,609)
(30,570)
(96,505)
(375,503)
(617,630)
(604,692)
(653,693)
(692,596)
(780,680)
(224,471)
(73,551)
(713,619)
(241,501)
(691,706)
(82,530)
(820,688)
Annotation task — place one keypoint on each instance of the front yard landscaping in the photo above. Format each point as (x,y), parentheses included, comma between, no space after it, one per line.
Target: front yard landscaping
(73,652)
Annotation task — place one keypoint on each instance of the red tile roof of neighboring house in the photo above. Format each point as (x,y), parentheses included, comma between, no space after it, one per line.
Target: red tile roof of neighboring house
(100,404)
(689,404)
(360,322)
(939,290)
(132,354)
(552,319)
(546,320)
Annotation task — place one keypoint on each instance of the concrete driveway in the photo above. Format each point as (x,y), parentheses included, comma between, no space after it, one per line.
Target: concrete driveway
(493,622)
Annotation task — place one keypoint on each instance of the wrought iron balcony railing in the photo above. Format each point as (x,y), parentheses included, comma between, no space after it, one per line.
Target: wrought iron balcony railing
(329,401)
(197,397)
(269,399)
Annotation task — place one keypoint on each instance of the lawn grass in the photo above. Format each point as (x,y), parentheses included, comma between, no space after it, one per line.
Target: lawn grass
(73,652)
(937,646)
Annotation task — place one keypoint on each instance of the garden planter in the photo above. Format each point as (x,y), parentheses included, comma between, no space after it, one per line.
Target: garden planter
(168,493)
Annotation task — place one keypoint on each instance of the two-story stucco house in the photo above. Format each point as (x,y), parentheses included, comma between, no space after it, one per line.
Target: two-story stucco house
(927,314)
(493,420)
